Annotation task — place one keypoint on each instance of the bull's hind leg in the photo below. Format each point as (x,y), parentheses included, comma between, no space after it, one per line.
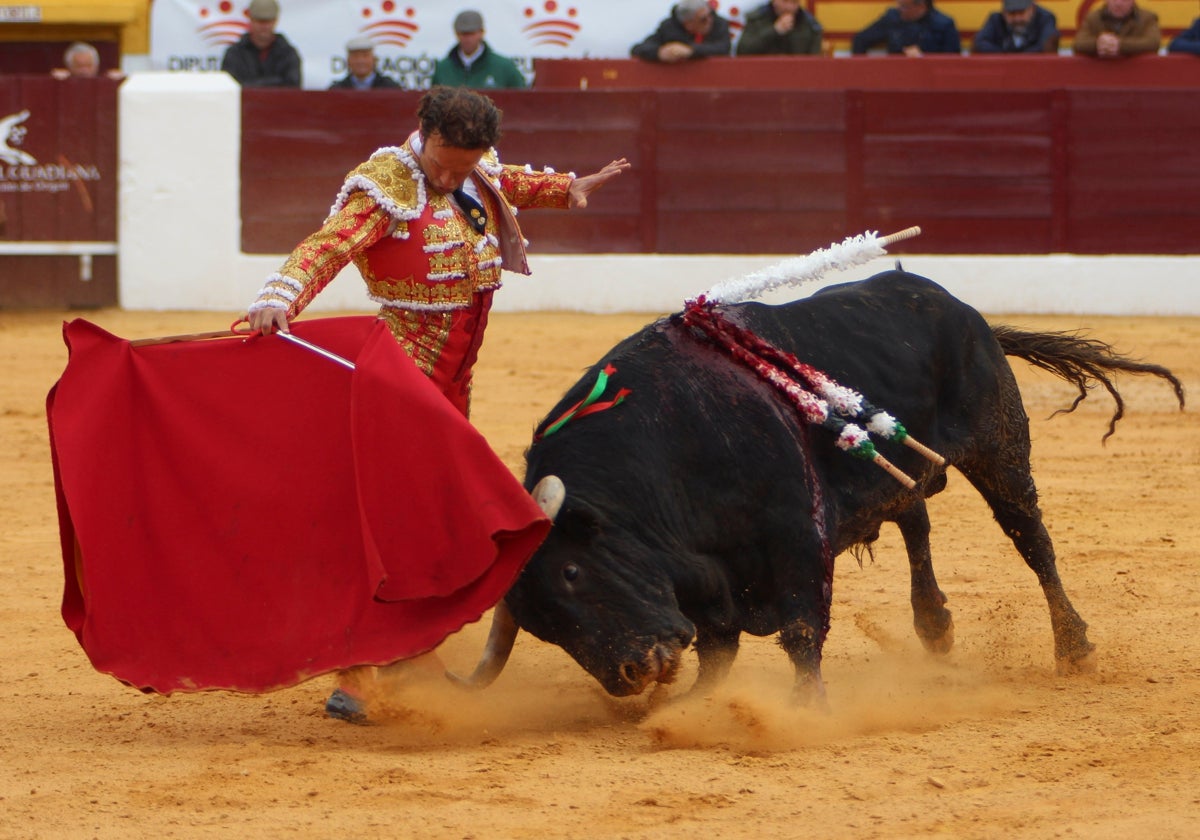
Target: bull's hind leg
(932,620)
(1009,490)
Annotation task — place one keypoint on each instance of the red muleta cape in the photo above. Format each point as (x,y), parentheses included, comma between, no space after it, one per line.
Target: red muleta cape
(244,514)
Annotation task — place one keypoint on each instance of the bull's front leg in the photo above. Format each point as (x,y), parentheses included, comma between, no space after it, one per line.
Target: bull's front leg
(803,642)
(716,649)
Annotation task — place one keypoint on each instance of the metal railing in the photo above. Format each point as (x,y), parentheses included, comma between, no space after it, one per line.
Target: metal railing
(84,250)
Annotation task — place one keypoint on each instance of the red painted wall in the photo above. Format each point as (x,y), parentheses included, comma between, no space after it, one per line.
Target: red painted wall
(1010,161)
(71,127)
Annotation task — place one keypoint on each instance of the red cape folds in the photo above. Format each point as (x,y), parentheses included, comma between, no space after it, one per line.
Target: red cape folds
(245,514)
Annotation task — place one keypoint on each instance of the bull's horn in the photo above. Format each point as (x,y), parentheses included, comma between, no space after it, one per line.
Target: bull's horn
(495,654)
(550,493)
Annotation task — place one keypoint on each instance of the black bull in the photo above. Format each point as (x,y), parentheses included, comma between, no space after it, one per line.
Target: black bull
(701,508)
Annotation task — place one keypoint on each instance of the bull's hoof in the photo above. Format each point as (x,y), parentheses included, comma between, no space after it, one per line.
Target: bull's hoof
(941,644)
(347,707)
(1068,666)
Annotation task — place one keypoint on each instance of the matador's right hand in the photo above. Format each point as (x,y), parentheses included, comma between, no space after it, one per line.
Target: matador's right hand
(267,320)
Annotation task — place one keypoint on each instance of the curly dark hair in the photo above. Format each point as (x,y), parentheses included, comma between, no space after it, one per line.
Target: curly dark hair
(464,119)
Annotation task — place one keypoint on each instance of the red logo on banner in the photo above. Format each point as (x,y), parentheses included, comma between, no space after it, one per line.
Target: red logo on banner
(387,24)
(221,24)
(551,26)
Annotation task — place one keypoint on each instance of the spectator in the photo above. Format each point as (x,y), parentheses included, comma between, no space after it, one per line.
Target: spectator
(1187,41)
(912,27)
(472,63)
(1021,26)
(262,57)
(1118,28)
(693,30)
(780,27)
(82,61)
(360,61)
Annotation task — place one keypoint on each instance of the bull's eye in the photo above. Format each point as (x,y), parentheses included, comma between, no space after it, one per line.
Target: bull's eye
(570,572)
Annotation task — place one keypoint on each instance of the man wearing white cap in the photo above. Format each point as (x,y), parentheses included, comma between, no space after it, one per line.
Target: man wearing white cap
(1021,26)
(360,61)
(262,57)
(472,63)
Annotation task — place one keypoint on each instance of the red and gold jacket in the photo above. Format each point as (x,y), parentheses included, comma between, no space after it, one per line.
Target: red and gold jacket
(415,250)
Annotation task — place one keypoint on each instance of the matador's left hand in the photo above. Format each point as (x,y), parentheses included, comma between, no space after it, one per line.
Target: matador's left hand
(581,188)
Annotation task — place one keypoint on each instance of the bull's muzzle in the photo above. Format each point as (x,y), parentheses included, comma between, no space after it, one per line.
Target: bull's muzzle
(660,664)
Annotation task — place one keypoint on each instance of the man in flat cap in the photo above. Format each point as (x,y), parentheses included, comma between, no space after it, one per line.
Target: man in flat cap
(360,61)
(262,57)
(1021,26)
(472,63)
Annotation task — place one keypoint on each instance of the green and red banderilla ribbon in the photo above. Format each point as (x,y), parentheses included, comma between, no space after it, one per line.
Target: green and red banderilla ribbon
(588,404)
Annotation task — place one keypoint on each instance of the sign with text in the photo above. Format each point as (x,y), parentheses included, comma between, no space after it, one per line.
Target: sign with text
(409,38)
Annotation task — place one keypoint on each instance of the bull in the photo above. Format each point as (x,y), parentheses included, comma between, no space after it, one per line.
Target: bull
(699,507)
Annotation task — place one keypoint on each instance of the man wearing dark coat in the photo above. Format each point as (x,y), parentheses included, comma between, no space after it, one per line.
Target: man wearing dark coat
(360,61)
(693,30)
(911,27)
(1021,26)
(262,57)
(780,27)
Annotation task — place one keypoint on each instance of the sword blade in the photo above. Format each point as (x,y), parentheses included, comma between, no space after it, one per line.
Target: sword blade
(320,351)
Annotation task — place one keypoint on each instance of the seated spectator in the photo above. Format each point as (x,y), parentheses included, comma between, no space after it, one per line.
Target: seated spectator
(1118,28)
(780,27)
(262,57)
(693,30)
(911,27)
(1187,41)
(360,61)
(1021,26)
(472,63)
(82,61)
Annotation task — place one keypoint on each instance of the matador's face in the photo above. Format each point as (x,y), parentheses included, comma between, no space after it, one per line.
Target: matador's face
(446,167)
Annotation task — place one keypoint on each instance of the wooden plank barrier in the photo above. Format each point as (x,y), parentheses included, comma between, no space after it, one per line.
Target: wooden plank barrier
(1018,155)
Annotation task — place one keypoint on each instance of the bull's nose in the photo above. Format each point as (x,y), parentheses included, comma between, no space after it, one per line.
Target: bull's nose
(636,674)
(632,676)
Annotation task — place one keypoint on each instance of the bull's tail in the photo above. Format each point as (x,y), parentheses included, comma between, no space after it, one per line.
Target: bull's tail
(1080,361)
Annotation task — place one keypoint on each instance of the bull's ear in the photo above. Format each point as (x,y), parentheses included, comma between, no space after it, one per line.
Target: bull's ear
(578,521)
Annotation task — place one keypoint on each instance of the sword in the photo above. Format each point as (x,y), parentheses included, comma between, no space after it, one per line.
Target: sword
(320,351)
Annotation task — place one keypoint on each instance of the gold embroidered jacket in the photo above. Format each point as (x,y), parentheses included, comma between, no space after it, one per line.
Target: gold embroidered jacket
(414,249)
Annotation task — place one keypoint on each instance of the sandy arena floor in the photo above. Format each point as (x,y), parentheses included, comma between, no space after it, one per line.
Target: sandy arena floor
(986,742)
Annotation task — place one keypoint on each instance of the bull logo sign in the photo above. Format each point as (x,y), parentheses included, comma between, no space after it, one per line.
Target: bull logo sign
(11,135)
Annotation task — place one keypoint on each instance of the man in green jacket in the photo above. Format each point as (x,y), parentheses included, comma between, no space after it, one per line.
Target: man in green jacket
(780,27)
(472,63)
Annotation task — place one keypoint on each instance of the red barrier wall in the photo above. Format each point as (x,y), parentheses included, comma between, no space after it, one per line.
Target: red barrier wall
(58,182)
(1011,161)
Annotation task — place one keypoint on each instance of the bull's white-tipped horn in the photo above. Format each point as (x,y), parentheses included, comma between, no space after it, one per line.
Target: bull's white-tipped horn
(550,493)
(495,653)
